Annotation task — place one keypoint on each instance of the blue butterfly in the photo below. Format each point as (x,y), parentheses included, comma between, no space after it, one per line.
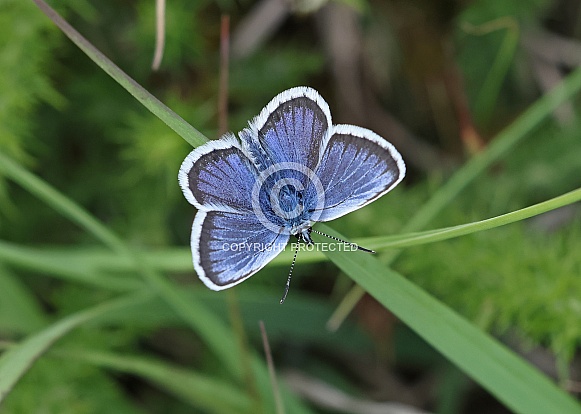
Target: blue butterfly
(290,169)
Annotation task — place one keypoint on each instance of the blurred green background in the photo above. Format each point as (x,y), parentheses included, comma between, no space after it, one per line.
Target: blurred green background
(438,79)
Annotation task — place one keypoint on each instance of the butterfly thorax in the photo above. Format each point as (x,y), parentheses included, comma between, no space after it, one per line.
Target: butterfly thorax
(288,206)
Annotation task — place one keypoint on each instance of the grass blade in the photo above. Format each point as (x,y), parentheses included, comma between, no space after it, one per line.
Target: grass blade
(18,359)
(216,334)
(432,236)
(201,320)
(504,142)
(512,380)
(201,391)
(87,265)
(171,119)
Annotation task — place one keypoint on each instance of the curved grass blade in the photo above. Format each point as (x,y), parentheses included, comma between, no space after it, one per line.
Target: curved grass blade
(509,378)
(86,266)
(206,324)
(171,119)
(18,359)
(507,139)
(201,320)
(68,263)
(432,236)
(200,391)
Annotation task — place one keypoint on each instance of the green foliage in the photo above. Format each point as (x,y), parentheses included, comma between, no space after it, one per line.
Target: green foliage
(149,152)
(20,314)
(488,33)
(27,40)
(522,277)
(72,388)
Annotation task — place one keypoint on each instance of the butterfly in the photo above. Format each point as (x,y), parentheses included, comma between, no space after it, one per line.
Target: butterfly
(290,168)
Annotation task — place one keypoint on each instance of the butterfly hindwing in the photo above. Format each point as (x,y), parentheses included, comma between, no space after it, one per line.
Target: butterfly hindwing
(229,247)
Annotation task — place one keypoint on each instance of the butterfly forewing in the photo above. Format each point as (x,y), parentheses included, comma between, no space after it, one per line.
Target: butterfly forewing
(218,176)
(357,167)
(291,128)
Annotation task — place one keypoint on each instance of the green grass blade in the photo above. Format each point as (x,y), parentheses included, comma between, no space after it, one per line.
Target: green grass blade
(60,203)
(215,333)
(504,141)
(20,313)
(18,359)
(512,380)
(85,266)
(173,120)
(431,236)
(201,320)
(201,391)
(96,266)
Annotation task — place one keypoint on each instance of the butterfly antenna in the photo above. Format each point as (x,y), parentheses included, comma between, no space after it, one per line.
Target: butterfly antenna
(343,241)
(290,273)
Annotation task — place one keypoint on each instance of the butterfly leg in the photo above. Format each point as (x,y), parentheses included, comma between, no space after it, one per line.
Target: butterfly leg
(305,236)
